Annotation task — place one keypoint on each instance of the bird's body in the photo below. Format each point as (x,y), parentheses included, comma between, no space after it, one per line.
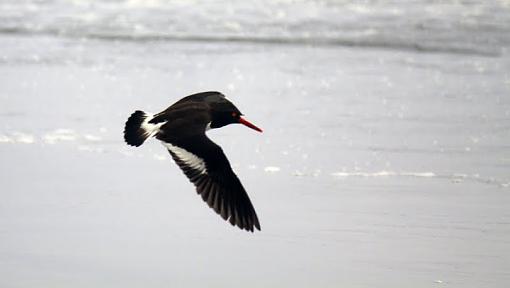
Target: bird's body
(181,128)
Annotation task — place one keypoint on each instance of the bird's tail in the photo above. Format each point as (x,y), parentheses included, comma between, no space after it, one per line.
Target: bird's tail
(138,128)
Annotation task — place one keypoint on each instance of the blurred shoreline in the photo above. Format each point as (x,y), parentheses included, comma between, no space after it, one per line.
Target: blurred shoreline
(383,163)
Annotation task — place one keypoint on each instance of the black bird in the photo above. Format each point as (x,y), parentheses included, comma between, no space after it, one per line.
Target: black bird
(181,128)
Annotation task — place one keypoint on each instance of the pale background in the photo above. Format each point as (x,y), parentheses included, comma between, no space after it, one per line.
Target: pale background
(385,160)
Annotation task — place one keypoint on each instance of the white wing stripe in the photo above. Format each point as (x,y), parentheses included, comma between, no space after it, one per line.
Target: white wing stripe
(187,157)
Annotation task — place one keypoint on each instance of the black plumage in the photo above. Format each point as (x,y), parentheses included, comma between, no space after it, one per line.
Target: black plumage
(181,127)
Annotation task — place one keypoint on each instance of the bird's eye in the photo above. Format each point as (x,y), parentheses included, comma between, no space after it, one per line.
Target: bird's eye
(234,114)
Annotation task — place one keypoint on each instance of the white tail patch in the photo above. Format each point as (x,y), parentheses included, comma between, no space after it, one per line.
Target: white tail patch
(149,128)
(138,128)
(187,157)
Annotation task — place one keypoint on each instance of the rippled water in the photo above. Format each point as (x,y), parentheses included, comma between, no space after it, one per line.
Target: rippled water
(384,160)
(471,27)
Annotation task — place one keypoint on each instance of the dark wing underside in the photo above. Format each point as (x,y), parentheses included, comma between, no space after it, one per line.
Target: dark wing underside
(215,181)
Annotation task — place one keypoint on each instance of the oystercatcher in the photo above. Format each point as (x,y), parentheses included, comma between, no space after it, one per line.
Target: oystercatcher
(181,128)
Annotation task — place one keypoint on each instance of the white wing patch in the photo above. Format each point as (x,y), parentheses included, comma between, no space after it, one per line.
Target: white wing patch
(187,157)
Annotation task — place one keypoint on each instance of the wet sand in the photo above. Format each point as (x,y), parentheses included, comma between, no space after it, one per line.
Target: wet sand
(376,168)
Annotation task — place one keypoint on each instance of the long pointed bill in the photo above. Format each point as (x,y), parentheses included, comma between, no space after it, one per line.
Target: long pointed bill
(248,124)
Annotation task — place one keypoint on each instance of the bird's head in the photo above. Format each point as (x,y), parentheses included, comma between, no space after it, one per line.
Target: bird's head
(224,113)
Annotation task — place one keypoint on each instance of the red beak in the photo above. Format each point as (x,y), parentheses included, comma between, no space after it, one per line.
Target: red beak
(248,124)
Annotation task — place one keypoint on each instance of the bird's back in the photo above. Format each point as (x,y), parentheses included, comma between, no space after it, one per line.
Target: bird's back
(182,120)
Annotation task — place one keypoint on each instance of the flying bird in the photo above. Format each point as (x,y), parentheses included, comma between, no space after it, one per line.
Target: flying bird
(181,128)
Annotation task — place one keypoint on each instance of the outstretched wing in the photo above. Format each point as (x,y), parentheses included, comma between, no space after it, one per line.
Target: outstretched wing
(207,167)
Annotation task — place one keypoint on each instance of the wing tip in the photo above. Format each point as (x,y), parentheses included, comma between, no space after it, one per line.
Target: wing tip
(230,203)
(250,224)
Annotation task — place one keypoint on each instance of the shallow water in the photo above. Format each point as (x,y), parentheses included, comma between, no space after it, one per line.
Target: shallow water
(382,163)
